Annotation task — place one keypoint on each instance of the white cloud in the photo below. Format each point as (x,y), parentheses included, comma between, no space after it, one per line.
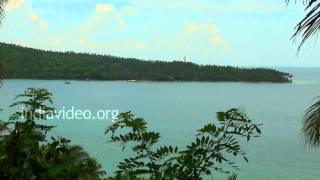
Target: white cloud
(205,32)
(130,30)
(190,27)
(100,14)
(104,8)
(139,45)
(129,10)
(56,41)
(34,17)
(106,14)
(14,4)
(216,38)
(42,24)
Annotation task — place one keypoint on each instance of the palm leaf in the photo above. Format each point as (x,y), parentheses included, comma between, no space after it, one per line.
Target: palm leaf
(310,24)
(233,177)
(77,155)
(2,3)
(311,126)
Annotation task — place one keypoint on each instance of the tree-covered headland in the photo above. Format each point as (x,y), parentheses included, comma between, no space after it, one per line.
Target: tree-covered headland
(27,63)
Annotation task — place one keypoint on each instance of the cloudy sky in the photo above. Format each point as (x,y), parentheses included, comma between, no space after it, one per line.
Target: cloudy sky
(223,32)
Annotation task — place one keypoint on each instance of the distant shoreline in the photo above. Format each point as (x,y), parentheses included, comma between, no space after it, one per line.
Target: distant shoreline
(126,81)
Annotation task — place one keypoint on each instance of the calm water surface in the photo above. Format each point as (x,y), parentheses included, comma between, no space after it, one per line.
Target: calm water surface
(176,110)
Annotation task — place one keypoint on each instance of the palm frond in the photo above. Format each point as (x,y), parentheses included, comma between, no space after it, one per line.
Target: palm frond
(311,126)
(2,3)
(310,24)
(233,177)
(77,155)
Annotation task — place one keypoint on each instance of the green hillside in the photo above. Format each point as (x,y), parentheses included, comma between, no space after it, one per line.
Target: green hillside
(27,63)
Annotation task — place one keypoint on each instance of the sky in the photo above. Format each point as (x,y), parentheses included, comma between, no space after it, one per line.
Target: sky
(222,32)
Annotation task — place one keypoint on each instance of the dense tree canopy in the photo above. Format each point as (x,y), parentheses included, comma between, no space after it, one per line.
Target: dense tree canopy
(27,153)
(27,63)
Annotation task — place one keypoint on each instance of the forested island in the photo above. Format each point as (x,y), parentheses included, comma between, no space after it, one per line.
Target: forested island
(28,63)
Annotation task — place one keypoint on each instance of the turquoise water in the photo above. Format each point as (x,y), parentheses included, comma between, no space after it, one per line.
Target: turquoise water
(176,110)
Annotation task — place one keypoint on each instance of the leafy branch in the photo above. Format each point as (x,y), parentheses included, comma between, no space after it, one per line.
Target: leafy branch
(212,145)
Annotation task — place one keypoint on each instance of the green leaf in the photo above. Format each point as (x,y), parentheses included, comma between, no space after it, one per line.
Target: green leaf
(221,116)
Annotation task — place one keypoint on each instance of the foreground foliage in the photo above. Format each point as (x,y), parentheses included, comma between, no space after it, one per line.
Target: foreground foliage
(311,126)
(310,24)
(211,148)
(306,28)
(2,3)
(26,153)
(27,63)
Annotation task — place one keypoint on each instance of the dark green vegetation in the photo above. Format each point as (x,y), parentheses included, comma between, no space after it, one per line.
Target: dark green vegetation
(26,151)
(206,154)
(27,63)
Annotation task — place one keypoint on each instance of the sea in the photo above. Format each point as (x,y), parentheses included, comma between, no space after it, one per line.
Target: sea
(178,109)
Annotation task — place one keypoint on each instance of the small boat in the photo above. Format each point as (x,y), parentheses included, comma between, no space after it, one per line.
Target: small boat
(67,82)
